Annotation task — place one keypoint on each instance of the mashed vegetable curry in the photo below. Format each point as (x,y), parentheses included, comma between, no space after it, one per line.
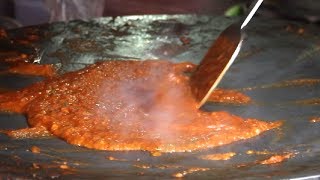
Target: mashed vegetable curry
(129,105)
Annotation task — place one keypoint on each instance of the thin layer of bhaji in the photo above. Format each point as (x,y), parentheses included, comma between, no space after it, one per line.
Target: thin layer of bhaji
(276,159)
(129,105)
(218,156)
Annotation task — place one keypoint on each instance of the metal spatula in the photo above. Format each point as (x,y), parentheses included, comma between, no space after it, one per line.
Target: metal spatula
(219,58)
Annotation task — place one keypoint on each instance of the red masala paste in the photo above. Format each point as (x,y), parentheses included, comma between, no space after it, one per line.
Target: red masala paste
(130,105)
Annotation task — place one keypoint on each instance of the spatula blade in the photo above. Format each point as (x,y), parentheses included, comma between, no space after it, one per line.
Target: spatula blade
(216,62)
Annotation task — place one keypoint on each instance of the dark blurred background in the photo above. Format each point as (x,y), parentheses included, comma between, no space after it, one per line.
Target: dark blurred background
(14,13)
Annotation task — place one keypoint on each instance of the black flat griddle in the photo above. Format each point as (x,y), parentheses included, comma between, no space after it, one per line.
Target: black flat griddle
(274,52)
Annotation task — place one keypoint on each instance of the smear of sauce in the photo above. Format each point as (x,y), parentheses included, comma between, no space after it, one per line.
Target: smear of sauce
(315,119)
(129,105)
(312,101)
(276,159)
(20,63)
(189,171)
(46,70)
(289,83)
(218,156)
(142,166)
(264,152)
(35,149)
(111,158)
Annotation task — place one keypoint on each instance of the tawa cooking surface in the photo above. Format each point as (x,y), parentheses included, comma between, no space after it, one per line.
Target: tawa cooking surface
(275,51)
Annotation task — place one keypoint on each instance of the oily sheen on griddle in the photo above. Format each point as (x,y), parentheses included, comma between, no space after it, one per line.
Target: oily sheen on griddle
(129,105)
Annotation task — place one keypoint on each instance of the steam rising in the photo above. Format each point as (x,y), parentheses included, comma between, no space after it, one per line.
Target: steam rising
(152,94)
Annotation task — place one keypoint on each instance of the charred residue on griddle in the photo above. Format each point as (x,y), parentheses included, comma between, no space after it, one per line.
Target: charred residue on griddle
(82,45)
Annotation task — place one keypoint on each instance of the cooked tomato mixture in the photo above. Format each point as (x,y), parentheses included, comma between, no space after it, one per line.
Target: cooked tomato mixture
(131,105)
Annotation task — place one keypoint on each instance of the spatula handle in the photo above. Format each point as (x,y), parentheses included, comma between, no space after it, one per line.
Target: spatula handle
(252,10)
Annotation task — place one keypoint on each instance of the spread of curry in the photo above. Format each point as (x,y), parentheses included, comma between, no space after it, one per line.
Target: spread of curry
(131,105)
